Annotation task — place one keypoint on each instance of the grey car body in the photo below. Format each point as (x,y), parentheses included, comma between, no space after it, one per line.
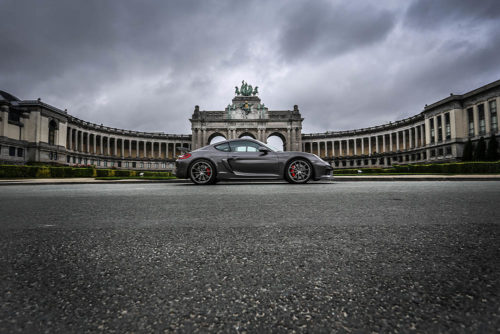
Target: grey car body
(241,159)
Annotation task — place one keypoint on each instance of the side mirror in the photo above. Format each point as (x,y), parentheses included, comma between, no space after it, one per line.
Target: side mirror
(264,150)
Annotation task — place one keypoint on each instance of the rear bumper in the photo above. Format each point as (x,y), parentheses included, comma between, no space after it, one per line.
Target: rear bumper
(181,168)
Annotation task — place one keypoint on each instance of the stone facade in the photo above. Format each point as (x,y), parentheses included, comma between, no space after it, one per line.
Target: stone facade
(33,131)
(247,116)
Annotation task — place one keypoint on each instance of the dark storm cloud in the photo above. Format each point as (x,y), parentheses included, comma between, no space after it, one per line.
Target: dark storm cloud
(321,28)
(427,14)
(143,65)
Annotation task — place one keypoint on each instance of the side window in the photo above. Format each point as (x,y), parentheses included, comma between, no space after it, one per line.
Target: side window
(223,147)
(244,146)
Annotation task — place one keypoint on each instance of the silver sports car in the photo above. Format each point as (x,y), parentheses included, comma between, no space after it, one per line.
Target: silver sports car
(240,159)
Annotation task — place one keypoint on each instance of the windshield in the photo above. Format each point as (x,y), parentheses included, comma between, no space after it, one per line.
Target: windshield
(266,145)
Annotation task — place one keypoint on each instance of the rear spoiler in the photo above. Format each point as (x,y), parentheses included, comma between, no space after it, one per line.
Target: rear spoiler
(183,149)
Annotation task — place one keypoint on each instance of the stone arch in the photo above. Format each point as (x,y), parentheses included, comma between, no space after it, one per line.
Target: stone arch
(278,134)
(247,133)
(215,134)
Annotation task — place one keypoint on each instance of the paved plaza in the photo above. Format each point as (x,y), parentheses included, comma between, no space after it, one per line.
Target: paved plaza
(251,257)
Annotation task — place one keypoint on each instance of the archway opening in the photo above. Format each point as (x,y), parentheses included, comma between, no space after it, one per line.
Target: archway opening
(216,138)
(247,135)
(276,142)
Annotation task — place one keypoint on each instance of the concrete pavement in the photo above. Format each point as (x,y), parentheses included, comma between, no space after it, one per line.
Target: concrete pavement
(266,257)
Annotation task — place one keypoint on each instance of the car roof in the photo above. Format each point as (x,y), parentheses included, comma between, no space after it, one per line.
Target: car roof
(237,139)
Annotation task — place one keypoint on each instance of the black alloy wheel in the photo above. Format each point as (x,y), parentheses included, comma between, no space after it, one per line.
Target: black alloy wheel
(298,171)
(202,172)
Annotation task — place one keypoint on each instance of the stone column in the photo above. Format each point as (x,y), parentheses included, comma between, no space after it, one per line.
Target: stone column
(76,141)
(427,126)
(333,148)
(129,148)
(87,149)
(410,138)
(377,149)
(347,147)
(390,143)
(70,140)
(362,146)
(404,139)
(383,143)
(288,140)
(398,147)
(370,145)
(108,146)
(95,144)
(122,153)
(453,125)
(443,126)
(476,121)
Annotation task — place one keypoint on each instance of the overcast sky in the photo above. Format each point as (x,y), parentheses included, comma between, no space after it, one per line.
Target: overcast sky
(144,65)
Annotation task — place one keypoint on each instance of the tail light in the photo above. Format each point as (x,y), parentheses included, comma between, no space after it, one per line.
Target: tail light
(184,156)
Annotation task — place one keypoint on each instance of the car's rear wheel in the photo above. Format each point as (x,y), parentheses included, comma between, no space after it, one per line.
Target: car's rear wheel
(202,172)
(298,171)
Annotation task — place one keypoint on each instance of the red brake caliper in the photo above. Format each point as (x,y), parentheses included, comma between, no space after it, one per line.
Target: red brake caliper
(208,171)
(293,170)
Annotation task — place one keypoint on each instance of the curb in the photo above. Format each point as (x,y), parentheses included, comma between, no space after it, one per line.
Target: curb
(31,183)
(21,182)
(398,178)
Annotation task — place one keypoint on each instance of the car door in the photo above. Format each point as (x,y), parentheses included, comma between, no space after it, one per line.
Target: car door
(246,159)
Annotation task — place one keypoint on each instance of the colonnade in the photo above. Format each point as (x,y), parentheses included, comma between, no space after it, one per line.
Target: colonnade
(352,145)
(81,141)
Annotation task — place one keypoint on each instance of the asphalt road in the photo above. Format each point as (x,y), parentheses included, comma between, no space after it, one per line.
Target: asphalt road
(334,257)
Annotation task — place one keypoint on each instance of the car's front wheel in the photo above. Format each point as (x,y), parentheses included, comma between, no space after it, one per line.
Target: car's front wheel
(298,171)
(202,172)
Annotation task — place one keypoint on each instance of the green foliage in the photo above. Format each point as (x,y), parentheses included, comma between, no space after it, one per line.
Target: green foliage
(468,149)
(492,152)
(105,172)
(161,174)
(480,150)
(16,171)
(125,173)
(437,168)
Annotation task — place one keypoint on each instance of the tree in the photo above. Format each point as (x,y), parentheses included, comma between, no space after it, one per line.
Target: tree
(468,148)
(480,151)
(492,153)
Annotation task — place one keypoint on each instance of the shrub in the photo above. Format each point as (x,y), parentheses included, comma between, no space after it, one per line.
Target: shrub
(105,172)
(468,149)
(492,152)
(480,151)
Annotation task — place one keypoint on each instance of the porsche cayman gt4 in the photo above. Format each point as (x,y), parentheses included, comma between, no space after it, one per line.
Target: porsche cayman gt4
(244,159)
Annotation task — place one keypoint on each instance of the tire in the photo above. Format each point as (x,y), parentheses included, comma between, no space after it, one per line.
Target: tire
(202,172)
(298,171)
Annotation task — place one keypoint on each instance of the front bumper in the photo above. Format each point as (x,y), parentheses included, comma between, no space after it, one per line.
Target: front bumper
(323,172)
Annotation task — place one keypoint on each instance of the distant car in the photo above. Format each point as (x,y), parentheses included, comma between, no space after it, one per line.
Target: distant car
(241,159)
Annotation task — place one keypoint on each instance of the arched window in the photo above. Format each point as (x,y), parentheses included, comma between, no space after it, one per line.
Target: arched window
(52,132)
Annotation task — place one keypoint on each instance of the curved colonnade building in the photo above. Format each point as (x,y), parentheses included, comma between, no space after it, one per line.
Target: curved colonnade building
(437,134)
(33,131)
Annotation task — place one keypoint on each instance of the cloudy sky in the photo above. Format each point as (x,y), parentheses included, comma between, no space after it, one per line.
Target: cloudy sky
(144,64)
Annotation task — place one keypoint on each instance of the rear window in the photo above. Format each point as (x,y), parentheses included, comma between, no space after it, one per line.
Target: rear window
(223,147)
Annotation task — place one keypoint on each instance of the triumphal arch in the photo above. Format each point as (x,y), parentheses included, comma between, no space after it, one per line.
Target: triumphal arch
(247,116)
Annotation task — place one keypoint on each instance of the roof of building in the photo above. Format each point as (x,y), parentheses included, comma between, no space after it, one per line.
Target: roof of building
(7,97)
